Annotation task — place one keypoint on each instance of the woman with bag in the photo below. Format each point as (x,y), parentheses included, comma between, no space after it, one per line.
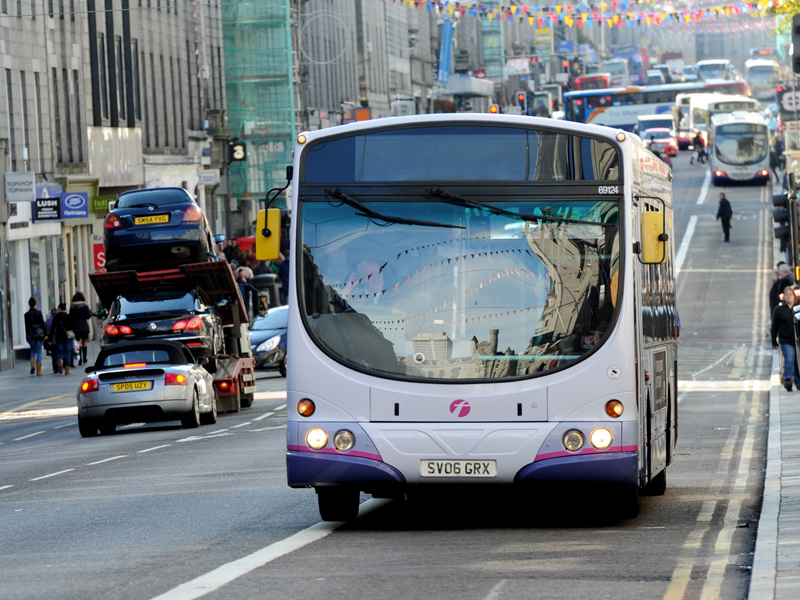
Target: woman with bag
(64,337)
(35,332)
(80,313)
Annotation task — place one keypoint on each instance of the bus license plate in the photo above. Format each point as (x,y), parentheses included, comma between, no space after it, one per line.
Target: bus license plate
(151,219)
(132,386)
(458,468)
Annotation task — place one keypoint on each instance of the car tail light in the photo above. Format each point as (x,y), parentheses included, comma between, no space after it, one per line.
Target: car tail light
(175,379)
(90,385)
(194,323)
(112,221)
(134,365)
(112,330)
(179,325)
(125,330)
(192,214)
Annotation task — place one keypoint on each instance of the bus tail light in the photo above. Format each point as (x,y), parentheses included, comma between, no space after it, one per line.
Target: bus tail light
(601,438)
(316,438)
(306,408)
(573,440)
(614,408)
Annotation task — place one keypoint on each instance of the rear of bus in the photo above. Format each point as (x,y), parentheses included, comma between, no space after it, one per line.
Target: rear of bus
(435,338)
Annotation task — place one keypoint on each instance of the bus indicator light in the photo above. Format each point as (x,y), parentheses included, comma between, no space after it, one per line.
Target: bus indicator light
(601,438)
(494,109)
(305,407)
(614,408)
(316,438)
(573,440)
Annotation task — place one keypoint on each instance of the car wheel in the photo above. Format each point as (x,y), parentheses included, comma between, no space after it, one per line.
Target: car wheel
(107,427)
(192,419)
(211,417)
(87,427)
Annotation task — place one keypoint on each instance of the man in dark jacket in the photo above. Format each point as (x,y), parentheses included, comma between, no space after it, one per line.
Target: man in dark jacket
(725,213)
(62,327)
(782,334)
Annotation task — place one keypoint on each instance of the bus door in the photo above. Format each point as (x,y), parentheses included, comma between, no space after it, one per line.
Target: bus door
(657,393)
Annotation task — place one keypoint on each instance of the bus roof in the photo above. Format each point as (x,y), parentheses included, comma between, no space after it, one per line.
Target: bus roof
(760,62)
(706,100)
(698,87)
(738,116)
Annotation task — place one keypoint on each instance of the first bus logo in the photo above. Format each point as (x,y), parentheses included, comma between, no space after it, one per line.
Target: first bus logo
(459,408)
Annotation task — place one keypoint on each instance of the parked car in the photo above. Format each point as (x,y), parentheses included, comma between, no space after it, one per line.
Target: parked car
(268,339)
(157,228)
(186,317)
(666,140)
(145,382)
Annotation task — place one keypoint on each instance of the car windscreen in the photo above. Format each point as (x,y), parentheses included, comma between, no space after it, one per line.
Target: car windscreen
(275,319)
(158,197)
(138,357)
(157,302)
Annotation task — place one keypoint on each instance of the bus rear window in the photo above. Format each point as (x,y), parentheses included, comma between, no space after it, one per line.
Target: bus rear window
(437,154)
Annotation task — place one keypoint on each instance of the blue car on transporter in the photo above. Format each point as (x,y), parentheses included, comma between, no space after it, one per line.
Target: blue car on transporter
(268,339)
(157,226)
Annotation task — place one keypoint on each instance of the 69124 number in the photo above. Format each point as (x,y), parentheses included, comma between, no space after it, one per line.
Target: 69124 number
(608,189)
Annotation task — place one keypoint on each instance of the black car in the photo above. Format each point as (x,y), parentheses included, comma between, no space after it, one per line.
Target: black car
(268,339)
(157,228)
(187,317)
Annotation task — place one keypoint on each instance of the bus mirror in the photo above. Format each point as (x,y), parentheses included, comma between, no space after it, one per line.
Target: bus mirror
(268,234)
(654,238)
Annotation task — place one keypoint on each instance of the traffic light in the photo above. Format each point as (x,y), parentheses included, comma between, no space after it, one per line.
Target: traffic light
(796,44)
(494,109)
(522,102)
(565,65)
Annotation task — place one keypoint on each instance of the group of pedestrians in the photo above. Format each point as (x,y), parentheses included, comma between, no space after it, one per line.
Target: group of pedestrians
(64,333)
(783,329)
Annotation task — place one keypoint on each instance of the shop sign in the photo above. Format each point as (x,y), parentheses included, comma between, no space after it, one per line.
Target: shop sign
(208,177)
(99,205)
(20,187)
(75,205)
(99,257)
(47,209)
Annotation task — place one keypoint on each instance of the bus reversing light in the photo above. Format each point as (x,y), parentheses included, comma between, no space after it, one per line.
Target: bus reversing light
(614,408)
(306,408)
(573,440)
(601,438)
(316,438)
(344,440)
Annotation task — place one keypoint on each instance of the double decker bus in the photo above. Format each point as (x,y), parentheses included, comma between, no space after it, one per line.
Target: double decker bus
(595,81)
(703,106)
(478,299)
(738,147)
(620,107)
(638,61)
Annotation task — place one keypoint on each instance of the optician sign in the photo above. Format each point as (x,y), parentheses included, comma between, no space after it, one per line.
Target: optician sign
(75,205)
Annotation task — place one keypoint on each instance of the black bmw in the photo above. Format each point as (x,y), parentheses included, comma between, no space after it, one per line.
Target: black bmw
(161,227)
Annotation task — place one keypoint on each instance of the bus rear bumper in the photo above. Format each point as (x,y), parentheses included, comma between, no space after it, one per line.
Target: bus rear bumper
(309,469)
(612,468)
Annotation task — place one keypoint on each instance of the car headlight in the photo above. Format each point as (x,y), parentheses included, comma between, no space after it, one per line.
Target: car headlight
(269,345)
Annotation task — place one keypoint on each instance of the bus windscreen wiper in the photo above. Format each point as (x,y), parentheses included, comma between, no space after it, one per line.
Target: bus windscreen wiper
(460,200)
(373,215)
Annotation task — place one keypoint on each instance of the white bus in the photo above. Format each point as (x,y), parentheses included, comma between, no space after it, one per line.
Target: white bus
(703,106)
(619,71)
(762,78)
(738,147)
(478,299)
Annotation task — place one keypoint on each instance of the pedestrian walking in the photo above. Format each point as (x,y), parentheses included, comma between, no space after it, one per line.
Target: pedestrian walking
(35,333)
(699,148)
(784,335)
(724,214)
(81,314)
(64,337)
(49,344)
(774,164)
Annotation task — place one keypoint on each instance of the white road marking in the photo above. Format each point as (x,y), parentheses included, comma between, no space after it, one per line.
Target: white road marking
(51,475)
(240,425)
(219,430)
(191,438)
(495,591)
(210,582)
(264,416)
(684,248)
(268,428)
(5,487)
(216,435)
(281,407)
(67,425)
(704,190)
(25,437)
(154,448)
(269,396)
(132,426)
(106,460)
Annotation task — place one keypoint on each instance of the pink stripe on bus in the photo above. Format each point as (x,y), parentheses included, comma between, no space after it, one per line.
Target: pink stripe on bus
(586,451)
(357,453)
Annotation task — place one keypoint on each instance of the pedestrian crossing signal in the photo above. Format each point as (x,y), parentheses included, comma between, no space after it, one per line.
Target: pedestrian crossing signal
(494,109)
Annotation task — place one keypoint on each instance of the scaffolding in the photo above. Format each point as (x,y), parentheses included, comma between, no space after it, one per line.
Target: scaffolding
(260,96)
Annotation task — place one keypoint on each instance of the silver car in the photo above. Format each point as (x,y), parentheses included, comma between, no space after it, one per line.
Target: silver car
(145,382)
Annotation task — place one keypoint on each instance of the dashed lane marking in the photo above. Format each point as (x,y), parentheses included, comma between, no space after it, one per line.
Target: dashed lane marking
(270,395)
(240,425)
(264,416)
(67,425)
(5,487)
(106,460)
(51,475)
(269,428)
(25,437)
(281,407)
(154,448)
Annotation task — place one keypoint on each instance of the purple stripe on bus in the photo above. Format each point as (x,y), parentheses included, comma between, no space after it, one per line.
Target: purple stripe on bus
(585,451)
(608,467)
(305,469)
(357,453)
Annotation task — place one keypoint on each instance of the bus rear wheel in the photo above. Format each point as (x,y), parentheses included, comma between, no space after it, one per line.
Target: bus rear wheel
(338,503)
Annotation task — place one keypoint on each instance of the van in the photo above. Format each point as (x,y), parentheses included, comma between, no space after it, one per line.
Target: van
(665,120)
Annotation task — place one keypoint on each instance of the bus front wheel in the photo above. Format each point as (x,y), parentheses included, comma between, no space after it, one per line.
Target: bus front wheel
(338,503)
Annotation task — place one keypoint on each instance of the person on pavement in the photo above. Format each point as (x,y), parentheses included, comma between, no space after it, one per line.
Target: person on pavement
(725,214)
(783,335)
(50,345)
(64,336)
(35,333)
(81,314)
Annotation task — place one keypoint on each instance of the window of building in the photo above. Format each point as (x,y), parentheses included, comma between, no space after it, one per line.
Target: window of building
(33,10)
(189,74)
(37,92)
(101,68)
(68,116)
(120,76)
(164,100)
(175,96)
(179,94)
(137,104)
(26,141)
(213,76)
(19,8)
(77,90)
(49,8)
(146,109)
(220,76)
(155,97)
(57,115)
(12,138)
